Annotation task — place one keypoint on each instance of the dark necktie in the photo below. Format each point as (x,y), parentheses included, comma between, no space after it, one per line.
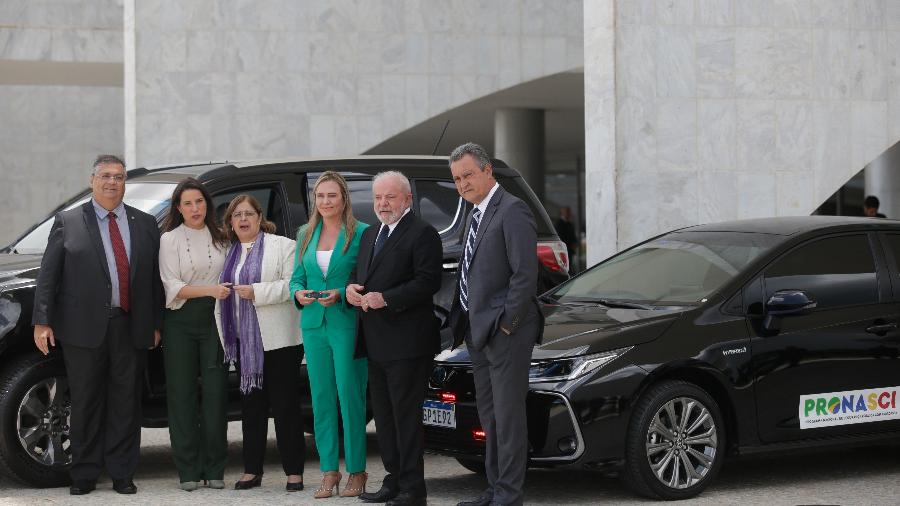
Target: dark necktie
(467,259)
(380,240)
(118,247)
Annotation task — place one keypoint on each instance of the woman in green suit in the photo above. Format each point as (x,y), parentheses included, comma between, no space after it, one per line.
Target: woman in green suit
(327,247)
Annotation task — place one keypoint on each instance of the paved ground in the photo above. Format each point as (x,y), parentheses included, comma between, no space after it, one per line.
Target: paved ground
(859,476)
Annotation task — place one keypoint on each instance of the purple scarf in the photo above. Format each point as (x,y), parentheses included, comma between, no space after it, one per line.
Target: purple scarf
(251,348)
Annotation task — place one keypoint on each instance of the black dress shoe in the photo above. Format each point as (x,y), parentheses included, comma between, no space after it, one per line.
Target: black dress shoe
(483,500)
(407,499)
(294,487)
(82,487)
(384,494)
(125,486)
(248,484)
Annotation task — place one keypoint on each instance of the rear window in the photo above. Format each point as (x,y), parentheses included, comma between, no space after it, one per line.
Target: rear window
(518,187)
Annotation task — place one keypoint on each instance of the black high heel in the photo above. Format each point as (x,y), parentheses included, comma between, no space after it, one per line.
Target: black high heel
(248,484)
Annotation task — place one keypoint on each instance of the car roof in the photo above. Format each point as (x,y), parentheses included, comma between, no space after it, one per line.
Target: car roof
(366,163)
(792,225)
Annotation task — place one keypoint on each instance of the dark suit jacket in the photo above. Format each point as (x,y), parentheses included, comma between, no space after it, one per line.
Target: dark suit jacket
(73,287)
(407,271)
(503,273)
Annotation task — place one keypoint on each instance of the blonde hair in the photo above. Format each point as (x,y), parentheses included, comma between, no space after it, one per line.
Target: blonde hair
(347,218)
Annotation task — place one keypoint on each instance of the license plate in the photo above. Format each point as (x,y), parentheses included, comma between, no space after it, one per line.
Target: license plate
(439,414)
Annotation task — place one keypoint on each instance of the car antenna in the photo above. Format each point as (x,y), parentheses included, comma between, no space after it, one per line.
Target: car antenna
(438,143)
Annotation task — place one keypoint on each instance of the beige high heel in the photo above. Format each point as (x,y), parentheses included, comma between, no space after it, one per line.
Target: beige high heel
(356,484)
(331,482)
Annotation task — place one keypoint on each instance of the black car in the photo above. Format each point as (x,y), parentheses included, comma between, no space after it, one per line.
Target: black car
(705,342)
(34,404)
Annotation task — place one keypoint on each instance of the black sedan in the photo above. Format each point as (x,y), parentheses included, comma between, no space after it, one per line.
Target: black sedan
(705,342)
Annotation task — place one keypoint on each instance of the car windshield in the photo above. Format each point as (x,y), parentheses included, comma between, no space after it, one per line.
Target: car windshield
(677,268)
(152,198)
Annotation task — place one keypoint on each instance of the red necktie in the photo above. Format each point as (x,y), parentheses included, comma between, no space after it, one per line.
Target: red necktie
(118,246)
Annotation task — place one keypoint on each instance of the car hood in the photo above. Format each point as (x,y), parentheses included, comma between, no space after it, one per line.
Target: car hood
(15,266)
(581,328)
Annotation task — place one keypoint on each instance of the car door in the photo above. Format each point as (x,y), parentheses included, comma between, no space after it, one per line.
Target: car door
(817,375)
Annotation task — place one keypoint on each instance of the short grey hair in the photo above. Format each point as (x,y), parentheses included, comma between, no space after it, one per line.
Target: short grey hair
(404,181)
(470,148)
(106,160)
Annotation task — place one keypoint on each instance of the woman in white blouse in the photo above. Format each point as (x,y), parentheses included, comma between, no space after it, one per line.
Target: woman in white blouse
(259,328)
(191,257)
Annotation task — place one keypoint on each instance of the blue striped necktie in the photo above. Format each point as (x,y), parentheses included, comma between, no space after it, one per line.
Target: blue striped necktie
(467,259)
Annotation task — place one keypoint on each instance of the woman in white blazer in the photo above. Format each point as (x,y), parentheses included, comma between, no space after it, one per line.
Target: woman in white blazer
(259,328)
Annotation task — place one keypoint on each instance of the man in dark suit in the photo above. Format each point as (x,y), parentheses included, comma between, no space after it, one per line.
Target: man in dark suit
(105,329)
(496,313)
(397,273)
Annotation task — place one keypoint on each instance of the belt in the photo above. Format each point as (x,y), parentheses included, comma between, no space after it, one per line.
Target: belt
(115,312)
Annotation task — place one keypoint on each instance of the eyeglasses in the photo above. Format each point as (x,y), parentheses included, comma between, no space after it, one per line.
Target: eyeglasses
(243,214)
(112,178)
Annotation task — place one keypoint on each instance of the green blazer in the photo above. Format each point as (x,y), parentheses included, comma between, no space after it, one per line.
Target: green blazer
(308,276)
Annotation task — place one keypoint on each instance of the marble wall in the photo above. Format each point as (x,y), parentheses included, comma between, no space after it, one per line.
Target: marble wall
(729,109)
(51,132)
(232,79)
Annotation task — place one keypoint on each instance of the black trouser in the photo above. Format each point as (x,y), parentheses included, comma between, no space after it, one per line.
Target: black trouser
(397,389)
(281,394)
(105,386)
(500,370)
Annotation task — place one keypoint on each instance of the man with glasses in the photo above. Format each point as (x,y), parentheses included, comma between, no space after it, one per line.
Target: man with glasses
(104,328)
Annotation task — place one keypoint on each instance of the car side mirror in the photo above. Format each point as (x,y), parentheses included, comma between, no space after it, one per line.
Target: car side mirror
(787,303)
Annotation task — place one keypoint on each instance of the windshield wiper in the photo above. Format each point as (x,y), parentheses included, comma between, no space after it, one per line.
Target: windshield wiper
(623,304)
(547,299)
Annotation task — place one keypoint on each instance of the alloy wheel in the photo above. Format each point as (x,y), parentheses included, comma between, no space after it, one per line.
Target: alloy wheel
(681,443)
(42,422)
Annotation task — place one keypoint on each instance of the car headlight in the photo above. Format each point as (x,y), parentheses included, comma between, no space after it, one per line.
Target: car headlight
(564,369)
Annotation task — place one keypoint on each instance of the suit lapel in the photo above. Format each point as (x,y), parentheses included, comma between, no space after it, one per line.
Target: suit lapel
(90,223)
(337,252)
(366,243)
(392,240)
(489,213)
(312,255)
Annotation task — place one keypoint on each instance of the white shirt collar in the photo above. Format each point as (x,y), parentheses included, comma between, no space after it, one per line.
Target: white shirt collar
(393,225)
(484,203)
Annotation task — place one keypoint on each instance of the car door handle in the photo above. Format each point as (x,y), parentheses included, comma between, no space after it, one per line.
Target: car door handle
(881,328)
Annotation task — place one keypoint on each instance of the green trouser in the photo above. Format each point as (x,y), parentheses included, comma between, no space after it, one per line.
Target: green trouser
(197,423)
(334,374)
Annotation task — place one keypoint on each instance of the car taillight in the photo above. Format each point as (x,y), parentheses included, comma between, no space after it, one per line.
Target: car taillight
(553,255)
(478,435)
(448,397)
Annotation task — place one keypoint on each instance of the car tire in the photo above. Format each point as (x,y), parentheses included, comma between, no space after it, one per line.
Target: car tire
(34,420)
(474,465)
(662,463)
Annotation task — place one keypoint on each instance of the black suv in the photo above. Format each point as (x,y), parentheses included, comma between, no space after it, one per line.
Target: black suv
(707,342)
(34,404)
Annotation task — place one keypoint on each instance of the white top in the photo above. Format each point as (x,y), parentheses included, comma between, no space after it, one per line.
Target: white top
(188,257)
(245,251)
(323,258)
(279,320)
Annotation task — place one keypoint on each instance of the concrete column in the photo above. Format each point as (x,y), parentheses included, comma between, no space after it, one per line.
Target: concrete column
(601,217)
(882,178)
(519,141)
(130,60)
